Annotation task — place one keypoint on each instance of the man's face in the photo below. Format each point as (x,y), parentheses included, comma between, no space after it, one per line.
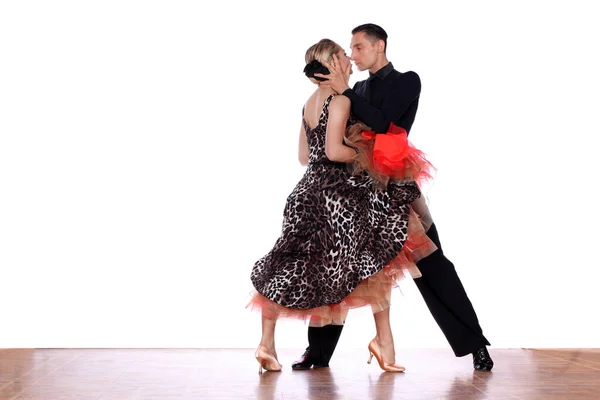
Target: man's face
(364,53)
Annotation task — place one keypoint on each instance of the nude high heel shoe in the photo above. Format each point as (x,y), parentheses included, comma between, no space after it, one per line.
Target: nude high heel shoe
(266,360)
(374,351)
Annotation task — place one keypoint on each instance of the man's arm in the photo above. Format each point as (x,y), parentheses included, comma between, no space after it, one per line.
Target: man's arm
(406,90)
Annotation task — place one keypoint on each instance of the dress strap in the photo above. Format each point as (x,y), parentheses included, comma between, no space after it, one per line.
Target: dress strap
(306,127)
(325,110)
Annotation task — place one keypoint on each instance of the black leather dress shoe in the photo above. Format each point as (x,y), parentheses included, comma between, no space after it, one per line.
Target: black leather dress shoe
(306,361)
(482,360)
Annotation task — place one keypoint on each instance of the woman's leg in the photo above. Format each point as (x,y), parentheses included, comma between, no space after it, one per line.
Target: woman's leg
(384,337)
(382,347)
(268,334)
(265,353)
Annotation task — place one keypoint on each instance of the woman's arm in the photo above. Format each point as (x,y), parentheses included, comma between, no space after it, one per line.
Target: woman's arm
(303,146)
(335,149)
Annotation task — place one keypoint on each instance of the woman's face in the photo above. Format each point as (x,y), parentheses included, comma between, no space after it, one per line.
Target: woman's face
(344,60)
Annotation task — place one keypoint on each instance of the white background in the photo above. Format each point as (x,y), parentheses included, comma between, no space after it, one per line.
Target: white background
(147,149)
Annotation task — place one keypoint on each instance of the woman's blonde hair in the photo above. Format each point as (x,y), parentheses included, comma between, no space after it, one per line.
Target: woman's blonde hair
(322,51)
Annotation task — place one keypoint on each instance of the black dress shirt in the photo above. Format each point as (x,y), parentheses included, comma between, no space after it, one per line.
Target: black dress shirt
(387,96)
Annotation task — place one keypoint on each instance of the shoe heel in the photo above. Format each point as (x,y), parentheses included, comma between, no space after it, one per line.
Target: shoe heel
(370,358)
(264,358)
(260,365)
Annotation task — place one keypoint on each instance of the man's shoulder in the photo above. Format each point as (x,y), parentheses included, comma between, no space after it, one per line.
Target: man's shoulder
(358,84)
(408,75)
(405,80)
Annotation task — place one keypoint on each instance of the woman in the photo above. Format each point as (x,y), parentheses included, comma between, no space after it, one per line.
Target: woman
(347,235)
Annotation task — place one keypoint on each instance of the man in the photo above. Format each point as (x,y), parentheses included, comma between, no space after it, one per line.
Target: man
(390,96)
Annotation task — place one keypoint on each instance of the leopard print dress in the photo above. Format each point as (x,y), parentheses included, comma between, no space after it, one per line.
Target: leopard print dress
(338,231)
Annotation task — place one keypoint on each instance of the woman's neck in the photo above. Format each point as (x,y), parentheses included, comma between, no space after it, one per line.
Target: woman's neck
(325,90)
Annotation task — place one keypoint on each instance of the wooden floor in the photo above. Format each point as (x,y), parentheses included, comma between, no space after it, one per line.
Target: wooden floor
(103,374)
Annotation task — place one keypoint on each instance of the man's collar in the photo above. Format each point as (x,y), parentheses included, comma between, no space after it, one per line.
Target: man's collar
(382,72)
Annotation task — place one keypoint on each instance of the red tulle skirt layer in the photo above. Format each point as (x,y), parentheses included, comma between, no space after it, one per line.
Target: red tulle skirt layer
(388,156)
(374,291)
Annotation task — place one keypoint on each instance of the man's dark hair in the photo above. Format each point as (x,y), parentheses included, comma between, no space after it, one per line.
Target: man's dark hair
(373,32)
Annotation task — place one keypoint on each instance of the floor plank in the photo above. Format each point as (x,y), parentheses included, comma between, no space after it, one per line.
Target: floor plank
(127,374)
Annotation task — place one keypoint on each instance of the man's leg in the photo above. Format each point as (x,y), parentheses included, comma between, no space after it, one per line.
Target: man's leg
(449,304)
(321,345)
